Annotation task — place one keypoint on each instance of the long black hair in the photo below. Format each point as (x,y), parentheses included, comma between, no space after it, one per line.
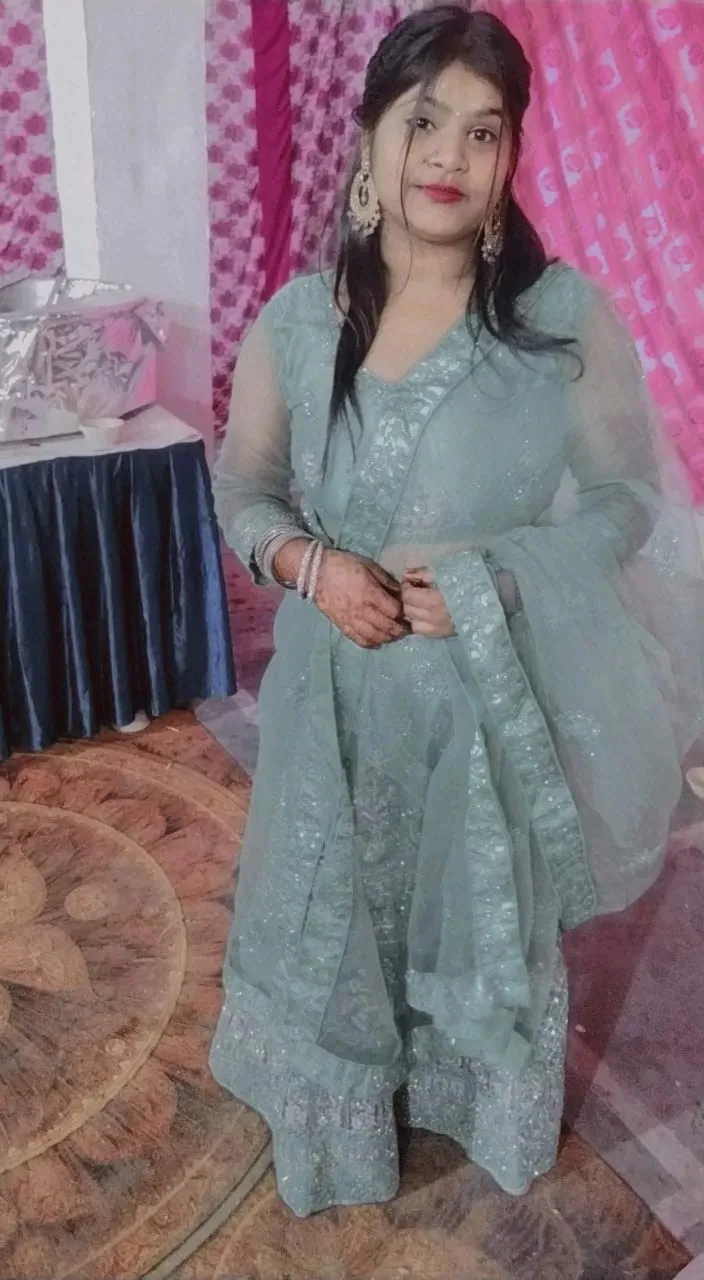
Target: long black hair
(413,55)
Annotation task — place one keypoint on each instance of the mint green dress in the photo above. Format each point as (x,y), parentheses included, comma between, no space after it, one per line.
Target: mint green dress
(428,818)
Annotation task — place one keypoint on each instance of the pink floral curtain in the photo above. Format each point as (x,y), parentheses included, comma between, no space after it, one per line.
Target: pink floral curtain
(331,44)
(613,175)
(30,224)
(612,171)
(237,243)
(326,44)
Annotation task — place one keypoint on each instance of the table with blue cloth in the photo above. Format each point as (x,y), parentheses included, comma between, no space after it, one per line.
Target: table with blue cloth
(111,585)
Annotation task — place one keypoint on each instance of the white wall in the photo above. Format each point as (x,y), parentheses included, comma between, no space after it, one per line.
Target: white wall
(67,57)
(138,69)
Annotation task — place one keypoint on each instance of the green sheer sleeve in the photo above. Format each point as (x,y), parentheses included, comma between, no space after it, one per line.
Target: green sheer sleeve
(253,474)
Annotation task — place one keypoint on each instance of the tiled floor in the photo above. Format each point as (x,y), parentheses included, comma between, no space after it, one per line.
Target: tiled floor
(636,1062)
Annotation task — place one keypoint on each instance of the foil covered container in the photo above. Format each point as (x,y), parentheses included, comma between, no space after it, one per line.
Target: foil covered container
(72,350)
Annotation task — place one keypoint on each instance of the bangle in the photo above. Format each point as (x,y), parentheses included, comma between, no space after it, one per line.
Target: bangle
(269,547)
(268,561)
(304,571)
(315,567)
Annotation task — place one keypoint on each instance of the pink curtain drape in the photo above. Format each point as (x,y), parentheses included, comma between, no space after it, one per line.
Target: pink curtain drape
(331,44)
(283,78)
(237,242)
(612,170)
(613,175)
(30,224)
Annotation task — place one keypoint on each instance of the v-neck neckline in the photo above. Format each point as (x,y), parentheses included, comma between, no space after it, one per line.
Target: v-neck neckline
(480,343)
(421,361)
(417,366)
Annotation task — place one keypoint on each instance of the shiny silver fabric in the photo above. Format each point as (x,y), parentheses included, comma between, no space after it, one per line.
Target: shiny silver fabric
(72,350)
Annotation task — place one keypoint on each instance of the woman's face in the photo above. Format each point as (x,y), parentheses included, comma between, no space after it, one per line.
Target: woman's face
(458,162)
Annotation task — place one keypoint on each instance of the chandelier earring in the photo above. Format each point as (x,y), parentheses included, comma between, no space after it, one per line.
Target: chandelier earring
(364,208)
(493,242)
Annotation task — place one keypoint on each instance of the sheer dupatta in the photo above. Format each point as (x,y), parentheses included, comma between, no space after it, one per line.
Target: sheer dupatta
(609,638)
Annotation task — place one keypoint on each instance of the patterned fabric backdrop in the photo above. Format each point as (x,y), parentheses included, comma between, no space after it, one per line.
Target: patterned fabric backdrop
(612,173)
(329,43)
(237,243)
(30,224)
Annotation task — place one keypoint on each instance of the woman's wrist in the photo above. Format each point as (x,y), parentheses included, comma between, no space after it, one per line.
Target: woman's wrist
(287,561)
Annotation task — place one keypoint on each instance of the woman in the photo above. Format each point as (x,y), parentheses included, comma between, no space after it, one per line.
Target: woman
(469,738)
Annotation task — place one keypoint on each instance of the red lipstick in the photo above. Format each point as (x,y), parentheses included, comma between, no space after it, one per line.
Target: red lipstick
(443,195)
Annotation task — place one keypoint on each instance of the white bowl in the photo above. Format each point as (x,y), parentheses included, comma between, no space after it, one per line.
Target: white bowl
(102,432)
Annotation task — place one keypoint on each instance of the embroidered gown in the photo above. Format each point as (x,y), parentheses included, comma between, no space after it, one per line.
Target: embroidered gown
(427,818)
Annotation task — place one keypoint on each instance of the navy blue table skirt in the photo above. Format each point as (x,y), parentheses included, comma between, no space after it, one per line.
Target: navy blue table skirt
(112,597)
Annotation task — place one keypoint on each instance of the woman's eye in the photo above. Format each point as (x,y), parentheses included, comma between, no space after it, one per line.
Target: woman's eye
(484,136)
(421,124)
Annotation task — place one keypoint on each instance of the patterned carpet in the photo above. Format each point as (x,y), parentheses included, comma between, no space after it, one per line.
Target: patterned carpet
(115,871)
(451,1223)
(119,1157)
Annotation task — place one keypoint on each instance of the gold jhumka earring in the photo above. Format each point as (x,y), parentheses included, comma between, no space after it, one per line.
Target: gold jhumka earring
(493,241)
(364,207)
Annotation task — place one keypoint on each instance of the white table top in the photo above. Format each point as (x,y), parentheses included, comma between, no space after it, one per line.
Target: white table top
(155,428)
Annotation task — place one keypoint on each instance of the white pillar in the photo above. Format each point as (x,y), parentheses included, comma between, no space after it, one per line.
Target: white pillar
(67,57)
(140,130)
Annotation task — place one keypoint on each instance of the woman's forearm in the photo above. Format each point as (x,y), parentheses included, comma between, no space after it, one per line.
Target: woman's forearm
(287,561)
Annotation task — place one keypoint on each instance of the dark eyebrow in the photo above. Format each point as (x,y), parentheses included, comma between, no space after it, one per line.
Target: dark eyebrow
(428,100)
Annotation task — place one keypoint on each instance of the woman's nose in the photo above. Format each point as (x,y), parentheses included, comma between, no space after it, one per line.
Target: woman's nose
(450,154)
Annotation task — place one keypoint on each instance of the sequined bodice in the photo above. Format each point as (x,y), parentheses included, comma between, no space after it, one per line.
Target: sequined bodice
(491,458)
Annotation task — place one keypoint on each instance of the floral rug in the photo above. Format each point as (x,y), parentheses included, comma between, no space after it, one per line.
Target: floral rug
(119,1156)
(116,869)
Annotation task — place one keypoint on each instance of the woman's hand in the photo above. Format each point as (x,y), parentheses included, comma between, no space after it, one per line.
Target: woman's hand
(424,606)
(361,599)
